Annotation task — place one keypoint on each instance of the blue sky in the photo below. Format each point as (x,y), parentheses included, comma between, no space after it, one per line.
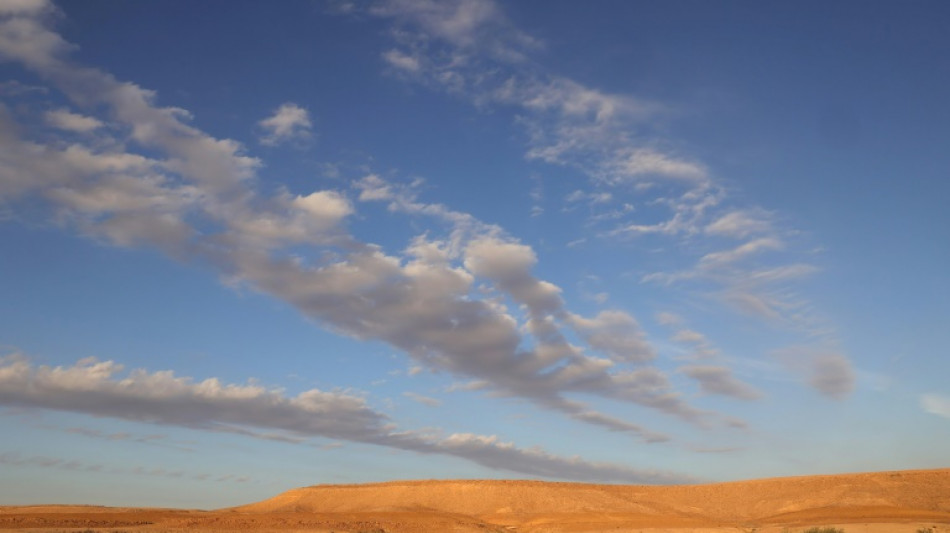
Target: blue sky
(250,247)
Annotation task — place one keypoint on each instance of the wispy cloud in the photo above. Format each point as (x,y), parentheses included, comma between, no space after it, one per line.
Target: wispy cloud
(97,388)
(289,122)
(936,404)
(741,224)
(41,461)
(719,380)
(424,400)
(471,50)
(123,436)
(707,365)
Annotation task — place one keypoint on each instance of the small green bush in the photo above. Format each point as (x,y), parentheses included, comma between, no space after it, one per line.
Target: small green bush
(824,530)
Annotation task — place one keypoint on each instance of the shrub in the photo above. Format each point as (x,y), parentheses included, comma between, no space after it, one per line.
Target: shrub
(824,530)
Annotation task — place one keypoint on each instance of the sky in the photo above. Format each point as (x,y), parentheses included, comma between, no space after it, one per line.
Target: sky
(247,247)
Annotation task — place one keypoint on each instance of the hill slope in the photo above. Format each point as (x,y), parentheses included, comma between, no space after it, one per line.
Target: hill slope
(906,495)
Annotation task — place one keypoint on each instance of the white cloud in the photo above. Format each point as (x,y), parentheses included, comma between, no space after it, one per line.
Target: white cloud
(289,122)
(466,24)
(741,224)
(728,257)
(373,188)
(689,212)
(91,386)
(632,164)
(402,61)
(689,336)
(591,198)
(23,36)
(66,120)
(24,7)
(936,404)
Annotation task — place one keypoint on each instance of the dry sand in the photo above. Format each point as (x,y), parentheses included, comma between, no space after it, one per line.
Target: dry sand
(884,502)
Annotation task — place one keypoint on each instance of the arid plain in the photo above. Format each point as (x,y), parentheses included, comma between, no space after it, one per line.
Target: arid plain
(883,502)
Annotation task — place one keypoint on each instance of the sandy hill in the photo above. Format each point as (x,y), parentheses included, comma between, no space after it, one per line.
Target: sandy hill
(886,502)
(905,495)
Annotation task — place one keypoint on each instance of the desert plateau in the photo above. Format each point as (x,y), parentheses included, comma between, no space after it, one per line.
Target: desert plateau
(884,502)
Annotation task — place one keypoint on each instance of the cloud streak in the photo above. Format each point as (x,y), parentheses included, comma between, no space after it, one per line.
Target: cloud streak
(42,461)
(99,388)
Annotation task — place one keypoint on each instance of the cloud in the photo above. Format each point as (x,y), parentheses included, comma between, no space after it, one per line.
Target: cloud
(537,462)
(68,121)
(97,388)
(41,461)
(665,318)
(832,375)
(289,122)
(119,436)
(741,224)
(424,400)
(91,387)
(700,345)
(725,449)
(615,333)
(24,7)
(719,380)
(465,24)
(23,36)
(825,370)
(402,61)
(728,257)
(690,210)
(689,336)
(647,162)
(747,282)
(469,49)
(589,197)
(17,88)
(935,404)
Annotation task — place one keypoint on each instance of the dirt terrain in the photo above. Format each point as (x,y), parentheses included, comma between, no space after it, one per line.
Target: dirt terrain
(885,502)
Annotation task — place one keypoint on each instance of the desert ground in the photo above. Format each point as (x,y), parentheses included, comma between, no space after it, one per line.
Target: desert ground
(882,502)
